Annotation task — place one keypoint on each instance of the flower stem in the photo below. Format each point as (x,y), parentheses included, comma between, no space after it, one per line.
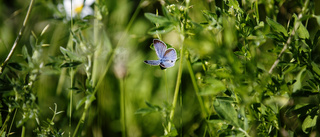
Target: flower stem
(23,132)
(3,65)
(123,106)
(81,121)
(135,14)
(196,88)
(176,91)
(14,116)
(71,73)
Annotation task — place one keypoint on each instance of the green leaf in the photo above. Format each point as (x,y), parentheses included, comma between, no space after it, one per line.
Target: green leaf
(315,68)
(156,18)
(230,99)
(313,84)
(299,78)
(173,131)
(90,99)
(25,53)
(210,16)
(50,122)
(70,64)
(161,29)
(81,102)
(316,38)
(214,87)
(16,66)
(317,18)
(1,123)
(70,54)
(151,108)
(3,133)
(144,111)
(290,68)
(234,4)
(277,27)
(226,111)
(154,107)
(303,32)
(309,122)
(276,36)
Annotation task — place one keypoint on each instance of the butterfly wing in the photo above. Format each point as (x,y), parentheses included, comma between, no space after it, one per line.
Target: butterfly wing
(167,64)
(152,62)
(170,54)
(160,47)
(169,58)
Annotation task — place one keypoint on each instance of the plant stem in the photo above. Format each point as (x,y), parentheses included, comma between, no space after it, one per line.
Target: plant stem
(81,121)
(176,91)
(196,88)
(23,132)
(92,96)
(70,103)
(3,65)
(135,14)
(123,106)
(257,11)
(4,125)
(15,112)
(96,44)
(244,132)
(71,71)
(296,25)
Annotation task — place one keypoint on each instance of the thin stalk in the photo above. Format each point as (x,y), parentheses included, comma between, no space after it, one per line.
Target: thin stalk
(123,107)
(181,112)
(178,82)
(83,117)
(293,32)
(61,81)
(71,72)
(70,103)
(4,125)
(23,132)
(135,14)
(257,11)
(81,121)
(14,115)
(5,122)
(97,44)
(176,91)
(3,65)
(96,24)
(205,131)
(208,118)
(196,88)
(88,103)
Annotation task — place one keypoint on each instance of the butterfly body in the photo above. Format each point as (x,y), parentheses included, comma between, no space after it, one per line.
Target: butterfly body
(167,57)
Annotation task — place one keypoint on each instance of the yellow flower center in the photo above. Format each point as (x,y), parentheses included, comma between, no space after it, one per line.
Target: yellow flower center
(78,9)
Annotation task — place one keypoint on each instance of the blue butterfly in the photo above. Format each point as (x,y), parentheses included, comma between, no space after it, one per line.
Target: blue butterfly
(167,57)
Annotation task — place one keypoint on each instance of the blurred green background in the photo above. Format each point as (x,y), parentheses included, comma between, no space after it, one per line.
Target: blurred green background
(141,83)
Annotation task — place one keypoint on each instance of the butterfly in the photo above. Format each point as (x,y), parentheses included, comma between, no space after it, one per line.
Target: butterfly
(167,57)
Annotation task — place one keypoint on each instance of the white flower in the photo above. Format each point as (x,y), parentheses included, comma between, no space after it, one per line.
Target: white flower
(78,7)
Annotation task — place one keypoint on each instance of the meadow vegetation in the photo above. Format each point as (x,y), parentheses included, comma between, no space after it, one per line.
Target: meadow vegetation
(76,68)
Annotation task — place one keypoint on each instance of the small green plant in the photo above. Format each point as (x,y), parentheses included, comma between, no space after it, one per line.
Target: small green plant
(48,126)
